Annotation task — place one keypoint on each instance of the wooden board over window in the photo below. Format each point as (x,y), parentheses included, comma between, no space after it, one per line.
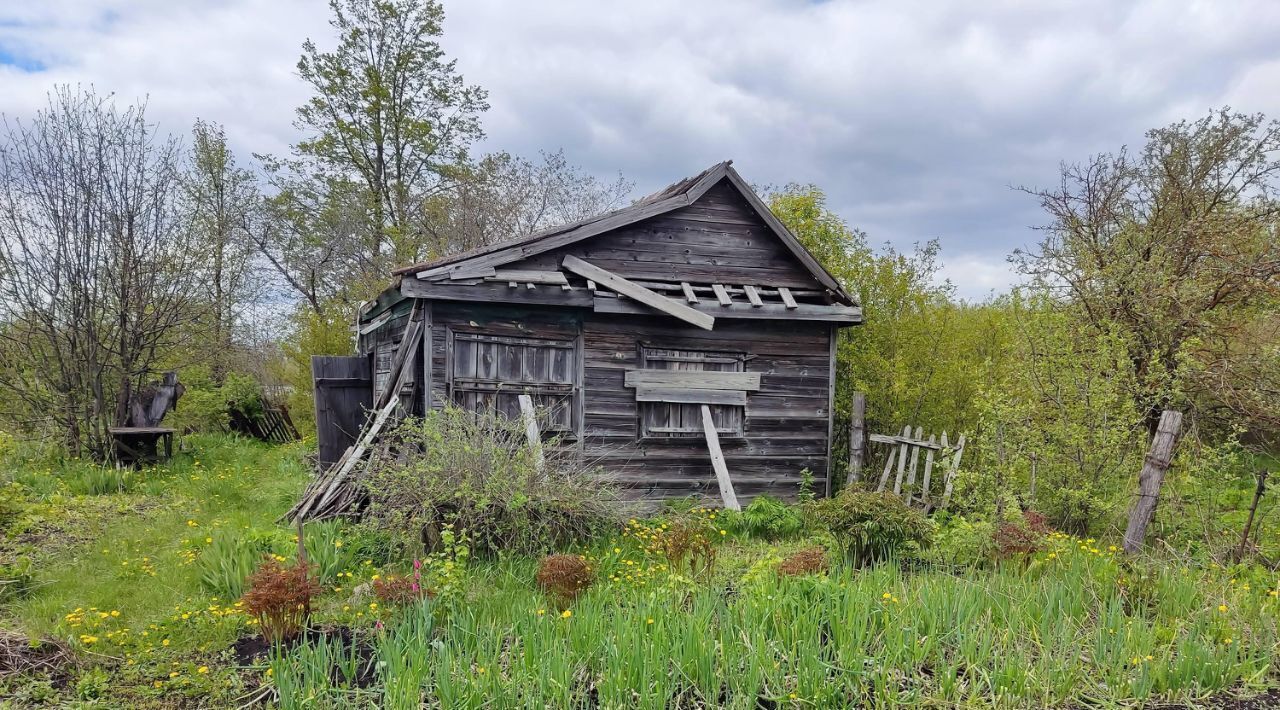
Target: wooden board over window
(665,419)
(489,372)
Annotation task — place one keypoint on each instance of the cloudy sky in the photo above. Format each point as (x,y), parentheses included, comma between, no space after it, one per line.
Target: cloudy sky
(916,116)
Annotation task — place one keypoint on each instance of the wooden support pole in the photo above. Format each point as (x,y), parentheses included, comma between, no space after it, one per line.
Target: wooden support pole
(857,435)
(1151,479)
(717,461)
(531,431)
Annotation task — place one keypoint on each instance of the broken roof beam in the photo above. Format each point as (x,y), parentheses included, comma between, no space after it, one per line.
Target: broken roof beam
(630,289)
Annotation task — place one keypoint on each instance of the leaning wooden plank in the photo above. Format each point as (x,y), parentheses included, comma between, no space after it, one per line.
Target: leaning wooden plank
(888,466)
(531,431)
(688,292)
(717,460)
(375,323)
(951,472)
(902,461)
(684,395)
(915,460)
(530,276)
(387,404)
(1151,478)
(629,289)
(928,472)
(722,295)
(694,379)
(753,296)
(787,299)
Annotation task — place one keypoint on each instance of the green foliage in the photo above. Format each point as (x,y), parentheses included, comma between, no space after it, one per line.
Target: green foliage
(964,541)
(17,579)
(476,472)
(919,357)
(331,548)
(312,333)
(767,518)
(227,562)
(873,527)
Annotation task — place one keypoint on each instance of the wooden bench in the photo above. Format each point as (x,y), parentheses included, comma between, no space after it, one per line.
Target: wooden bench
(137,445)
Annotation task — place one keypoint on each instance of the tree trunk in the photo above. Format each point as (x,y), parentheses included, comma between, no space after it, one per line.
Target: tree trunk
(1151,478)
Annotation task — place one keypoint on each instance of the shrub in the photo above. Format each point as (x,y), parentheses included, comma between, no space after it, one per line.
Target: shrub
(279,598)
(964,541)
(477,473)
(1021,535)
(401,591)
(564,577)
(873,526)
(687,542)
(1074,510)
(767,518)
(811,560)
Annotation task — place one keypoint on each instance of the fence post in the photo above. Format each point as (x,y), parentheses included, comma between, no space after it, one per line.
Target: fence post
(1151,478)
(857,436)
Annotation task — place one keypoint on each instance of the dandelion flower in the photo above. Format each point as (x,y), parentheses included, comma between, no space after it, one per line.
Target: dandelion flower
(202,669)
(566,613)
(1222,608)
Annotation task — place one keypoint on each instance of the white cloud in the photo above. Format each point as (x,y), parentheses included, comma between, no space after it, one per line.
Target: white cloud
(916,116)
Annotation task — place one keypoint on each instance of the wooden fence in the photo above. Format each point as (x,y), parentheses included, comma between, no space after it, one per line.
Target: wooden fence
(914,480)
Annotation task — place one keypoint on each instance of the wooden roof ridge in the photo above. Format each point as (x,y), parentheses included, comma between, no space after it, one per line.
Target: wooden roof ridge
(676,195)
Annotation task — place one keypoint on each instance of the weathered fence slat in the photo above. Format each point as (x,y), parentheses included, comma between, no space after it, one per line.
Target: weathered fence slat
(902,461)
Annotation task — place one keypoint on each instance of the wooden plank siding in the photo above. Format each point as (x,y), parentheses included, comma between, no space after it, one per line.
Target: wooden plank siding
(718,239)
(786,424)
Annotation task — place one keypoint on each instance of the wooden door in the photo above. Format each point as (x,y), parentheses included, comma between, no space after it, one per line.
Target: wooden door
(344,396)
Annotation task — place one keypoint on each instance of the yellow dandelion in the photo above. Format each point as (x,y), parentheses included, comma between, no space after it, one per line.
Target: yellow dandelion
(566,614)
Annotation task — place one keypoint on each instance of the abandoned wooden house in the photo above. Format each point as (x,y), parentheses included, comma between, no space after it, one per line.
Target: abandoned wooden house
(679,341)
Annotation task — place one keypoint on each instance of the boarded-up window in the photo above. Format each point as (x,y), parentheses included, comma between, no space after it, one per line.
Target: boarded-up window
(489,372)
(672,420)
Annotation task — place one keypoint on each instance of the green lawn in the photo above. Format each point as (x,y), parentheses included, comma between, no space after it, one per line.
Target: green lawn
(131,581)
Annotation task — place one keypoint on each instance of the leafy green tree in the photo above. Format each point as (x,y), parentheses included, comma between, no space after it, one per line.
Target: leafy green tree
(1175,249)
(919,356)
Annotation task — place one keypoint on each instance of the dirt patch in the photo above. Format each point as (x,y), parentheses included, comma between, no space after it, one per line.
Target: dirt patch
(49,657)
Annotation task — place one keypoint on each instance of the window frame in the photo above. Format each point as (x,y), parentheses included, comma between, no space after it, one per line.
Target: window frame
(646,433)
(570,389)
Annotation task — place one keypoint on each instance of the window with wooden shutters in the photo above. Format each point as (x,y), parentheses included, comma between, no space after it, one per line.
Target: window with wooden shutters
(681,420)
(489,372)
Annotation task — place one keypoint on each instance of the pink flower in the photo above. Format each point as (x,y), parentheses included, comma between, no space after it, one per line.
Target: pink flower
(415,587)
(417,563)
(379,625)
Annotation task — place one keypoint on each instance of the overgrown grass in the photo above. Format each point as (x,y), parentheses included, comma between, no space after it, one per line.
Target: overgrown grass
(1071,627)
(141,580)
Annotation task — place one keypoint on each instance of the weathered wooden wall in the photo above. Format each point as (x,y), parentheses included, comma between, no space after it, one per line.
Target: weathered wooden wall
(786,422)
(718,239)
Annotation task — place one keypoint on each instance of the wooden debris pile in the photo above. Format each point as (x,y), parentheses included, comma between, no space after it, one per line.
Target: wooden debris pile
(337,492)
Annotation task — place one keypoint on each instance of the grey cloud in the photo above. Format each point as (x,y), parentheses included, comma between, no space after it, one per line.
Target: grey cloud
(914,116)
